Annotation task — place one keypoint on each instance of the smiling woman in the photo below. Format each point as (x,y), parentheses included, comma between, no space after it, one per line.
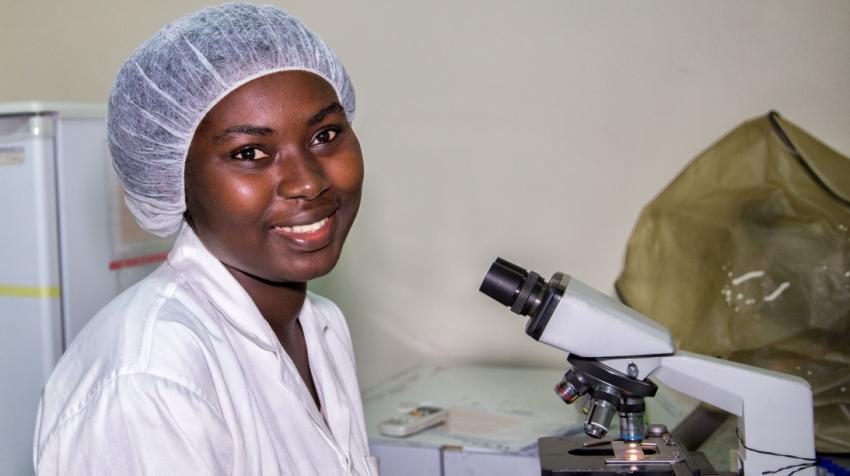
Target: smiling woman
(232,127)
(273,196)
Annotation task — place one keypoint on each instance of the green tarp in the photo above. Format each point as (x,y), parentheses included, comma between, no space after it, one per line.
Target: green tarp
(746,256)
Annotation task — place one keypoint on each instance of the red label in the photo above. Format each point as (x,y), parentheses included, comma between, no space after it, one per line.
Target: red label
(137,261)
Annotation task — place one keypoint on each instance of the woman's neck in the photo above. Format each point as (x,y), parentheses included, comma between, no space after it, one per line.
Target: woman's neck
(279,303)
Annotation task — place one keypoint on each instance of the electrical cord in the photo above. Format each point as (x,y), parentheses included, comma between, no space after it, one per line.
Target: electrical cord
(809,462)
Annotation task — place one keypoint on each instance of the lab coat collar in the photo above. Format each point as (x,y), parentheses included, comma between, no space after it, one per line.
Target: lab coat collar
(205,272)
(324,347)
(208,276)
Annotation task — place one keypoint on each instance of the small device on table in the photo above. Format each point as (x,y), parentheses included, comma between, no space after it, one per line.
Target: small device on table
(413,421)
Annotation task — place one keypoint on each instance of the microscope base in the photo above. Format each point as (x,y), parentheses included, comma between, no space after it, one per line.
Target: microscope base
(660,456)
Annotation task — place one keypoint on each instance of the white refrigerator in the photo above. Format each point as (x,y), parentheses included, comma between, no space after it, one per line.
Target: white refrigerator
(67,246)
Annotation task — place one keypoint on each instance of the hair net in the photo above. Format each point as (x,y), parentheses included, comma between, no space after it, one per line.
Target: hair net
(173,79)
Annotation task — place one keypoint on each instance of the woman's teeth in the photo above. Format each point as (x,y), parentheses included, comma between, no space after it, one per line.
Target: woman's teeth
(312,227)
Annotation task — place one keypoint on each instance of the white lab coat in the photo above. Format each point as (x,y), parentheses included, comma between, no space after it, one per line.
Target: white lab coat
(180,374)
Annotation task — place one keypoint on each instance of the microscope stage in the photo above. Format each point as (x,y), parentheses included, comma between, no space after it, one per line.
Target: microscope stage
(655,456)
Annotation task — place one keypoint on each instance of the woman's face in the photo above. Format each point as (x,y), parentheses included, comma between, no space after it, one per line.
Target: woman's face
(273,178)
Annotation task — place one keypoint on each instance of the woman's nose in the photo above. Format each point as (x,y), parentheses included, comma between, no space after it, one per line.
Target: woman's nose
(302,176)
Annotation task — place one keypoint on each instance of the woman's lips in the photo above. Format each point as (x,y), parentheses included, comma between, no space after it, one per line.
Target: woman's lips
(311,236)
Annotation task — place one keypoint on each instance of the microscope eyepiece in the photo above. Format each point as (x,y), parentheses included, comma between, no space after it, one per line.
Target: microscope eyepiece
(525,292)
(504,281)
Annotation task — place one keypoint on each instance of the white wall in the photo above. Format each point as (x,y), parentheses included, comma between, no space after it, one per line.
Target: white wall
(531,130)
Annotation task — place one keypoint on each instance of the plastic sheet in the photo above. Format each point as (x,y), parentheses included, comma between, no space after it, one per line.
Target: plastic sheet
(746,256)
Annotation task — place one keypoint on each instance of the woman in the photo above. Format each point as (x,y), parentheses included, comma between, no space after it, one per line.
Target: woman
(231,126)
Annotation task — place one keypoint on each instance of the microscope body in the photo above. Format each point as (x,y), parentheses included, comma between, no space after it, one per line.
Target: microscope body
(614,351)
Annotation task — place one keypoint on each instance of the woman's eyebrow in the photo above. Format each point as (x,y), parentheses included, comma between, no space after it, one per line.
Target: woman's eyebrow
(243,129)
(320,116)
(267,131)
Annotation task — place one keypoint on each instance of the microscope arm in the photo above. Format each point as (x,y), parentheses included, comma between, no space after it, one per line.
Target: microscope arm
(774,410)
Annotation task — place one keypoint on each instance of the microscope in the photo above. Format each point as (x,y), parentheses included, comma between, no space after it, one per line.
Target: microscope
(615,352)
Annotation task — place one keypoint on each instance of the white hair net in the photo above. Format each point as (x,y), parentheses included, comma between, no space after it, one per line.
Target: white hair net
(173,79)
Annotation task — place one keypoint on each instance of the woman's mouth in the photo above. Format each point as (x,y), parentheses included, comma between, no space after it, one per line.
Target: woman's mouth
(309,236)
(302,229)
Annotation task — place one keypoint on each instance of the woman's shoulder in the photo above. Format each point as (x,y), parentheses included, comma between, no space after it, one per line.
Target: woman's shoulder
(154,329)
(122,331)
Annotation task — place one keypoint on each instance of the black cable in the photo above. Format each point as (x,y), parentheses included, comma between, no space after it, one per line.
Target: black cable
(800,466)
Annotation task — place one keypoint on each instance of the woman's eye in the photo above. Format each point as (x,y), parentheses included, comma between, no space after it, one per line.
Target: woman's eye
(249,153)
(325,135)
